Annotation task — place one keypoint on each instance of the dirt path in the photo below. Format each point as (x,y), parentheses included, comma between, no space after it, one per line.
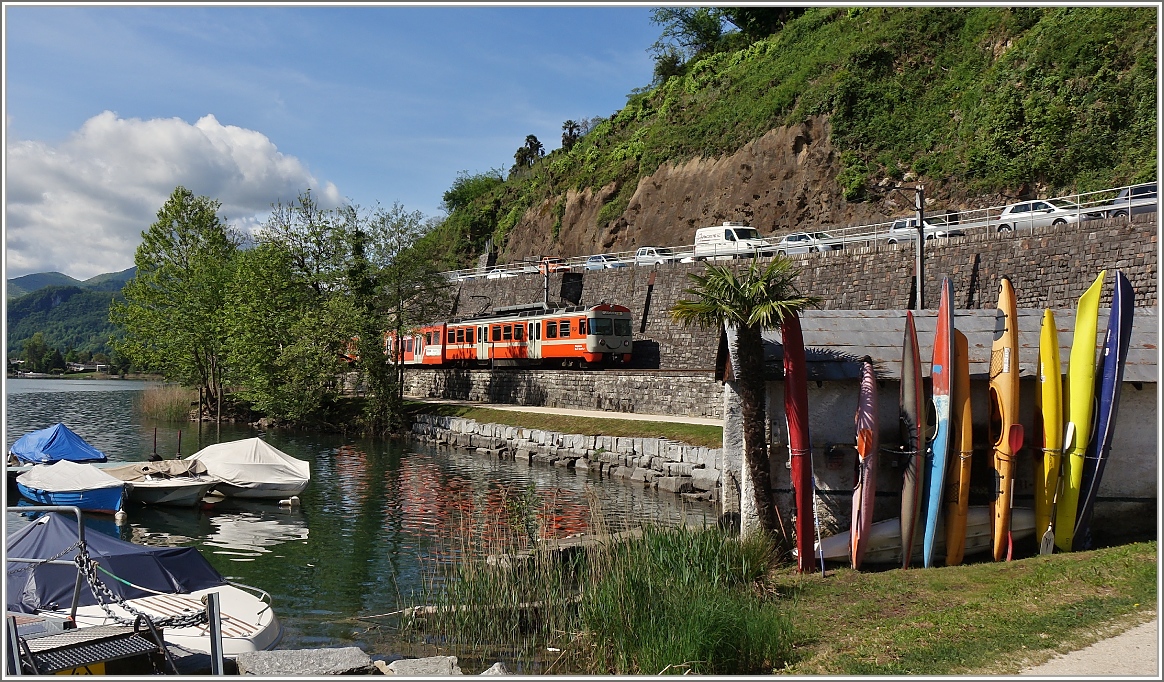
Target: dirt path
(1135,651)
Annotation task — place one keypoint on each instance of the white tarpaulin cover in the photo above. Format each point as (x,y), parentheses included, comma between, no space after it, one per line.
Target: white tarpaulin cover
(66,476)
(252,463)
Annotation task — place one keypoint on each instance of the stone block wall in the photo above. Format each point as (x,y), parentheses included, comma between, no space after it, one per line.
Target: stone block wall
(1049,267)
(688,470)
(693,394)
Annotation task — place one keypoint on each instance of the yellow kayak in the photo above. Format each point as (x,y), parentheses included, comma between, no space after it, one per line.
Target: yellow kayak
(961,447)
(1049,412)
(1078,396)
(1005,430)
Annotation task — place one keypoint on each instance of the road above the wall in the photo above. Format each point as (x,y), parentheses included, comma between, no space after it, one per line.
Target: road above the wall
(596,414)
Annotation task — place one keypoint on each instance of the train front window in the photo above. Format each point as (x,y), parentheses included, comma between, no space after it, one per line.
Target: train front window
(622,328)
(601,326)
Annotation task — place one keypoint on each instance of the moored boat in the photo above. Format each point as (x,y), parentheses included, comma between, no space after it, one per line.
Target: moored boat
(57,442)
(253,468)
(67,483)
(174,482)
(165,583)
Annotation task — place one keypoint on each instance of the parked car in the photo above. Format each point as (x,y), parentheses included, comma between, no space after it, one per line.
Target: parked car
(806,242)
(552,264)
(905,229)
(499,273)
(602,261)
(1026,215)
(729,240)
(1138,199)
(653,255)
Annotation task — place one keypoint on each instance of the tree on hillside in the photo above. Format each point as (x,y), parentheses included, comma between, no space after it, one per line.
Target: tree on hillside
(759,297)
(571,131)
(692,31)
(172,313)
(467,188)
(759,22)
(527,154)
(35,353)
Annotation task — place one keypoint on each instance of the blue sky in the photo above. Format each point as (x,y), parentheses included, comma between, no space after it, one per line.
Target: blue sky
(108,108)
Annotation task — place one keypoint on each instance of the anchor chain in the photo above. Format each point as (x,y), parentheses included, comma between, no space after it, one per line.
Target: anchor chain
(101,591)
(58,555)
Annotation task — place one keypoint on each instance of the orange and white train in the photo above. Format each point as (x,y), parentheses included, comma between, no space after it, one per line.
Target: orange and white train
(571,336)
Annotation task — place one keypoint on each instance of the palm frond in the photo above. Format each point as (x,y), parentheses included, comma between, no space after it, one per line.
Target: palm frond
(761,294)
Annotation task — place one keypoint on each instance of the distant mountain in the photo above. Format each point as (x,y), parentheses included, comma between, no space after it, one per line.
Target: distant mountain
(110,281)
(69,317)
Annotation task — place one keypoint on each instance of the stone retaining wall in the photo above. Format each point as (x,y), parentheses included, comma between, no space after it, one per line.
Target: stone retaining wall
(688,470)
(694,395)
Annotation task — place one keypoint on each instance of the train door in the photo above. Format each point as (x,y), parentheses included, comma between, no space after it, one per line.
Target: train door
(482,343)
(533,335)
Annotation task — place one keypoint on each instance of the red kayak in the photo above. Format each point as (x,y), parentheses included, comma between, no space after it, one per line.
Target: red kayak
(865,490)
(796,409)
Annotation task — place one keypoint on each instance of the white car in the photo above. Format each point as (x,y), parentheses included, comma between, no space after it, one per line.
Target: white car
(602,262)
(905,230)
(499,273)
(653,255)
(806,242)
(1026,215)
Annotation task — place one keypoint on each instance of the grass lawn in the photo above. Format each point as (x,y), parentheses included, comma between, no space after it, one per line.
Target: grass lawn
(692,434)
(979,618)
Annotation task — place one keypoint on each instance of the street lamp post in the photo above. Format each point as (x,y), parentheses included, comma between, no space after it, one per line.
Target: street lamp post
(919,249)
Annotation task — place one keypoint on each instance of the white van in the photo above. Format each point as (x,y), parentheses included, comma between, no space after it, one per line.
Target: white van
(729,240)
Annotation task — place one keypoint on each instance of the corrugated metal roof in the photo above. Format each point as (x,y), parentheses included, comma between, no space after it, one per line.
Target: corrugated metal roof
(836,340)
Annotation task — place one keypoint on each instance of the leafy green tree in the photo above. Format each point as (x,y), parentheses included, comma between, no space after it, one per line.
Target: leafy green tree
(55,362)
(527,154)
(571,131)
(761,296)
(314,240)
(468,188)
(694,31)
(759,22)
(172,313)
(35,353)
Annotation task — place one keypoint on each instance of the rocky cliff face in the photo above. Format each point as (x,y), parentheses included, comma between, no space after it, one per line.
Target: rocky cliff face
(783,182)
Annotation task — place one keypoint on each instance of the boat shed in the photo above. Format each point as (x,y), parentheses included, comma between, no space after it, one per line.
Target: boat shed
(835,343)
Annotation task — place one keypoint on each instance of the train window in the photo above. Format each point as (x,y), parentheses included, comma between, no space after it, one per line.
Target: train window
(552,329)
(582,327)
(452,336)
(564,329)
(408,345)
(460,336)
(427,338)
(537,329)
(507,332)
(518,331)
(531,331)
(622,328)
(469,335)
(601,326)
(496,332)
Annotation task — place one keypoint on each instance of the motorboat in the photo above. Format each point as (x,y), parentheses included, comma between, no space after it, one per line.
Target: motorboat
(175,482)
(166,583)
(53,444)
(253,468)
(71,484)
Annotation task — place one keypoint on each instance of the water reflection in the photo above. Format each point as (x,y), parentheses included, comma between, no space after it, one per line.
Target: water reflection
(370,524)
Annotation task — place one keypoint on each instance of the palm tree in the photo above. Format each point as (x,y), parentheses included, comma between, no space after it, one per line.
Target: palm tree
(760,296)
(571,131)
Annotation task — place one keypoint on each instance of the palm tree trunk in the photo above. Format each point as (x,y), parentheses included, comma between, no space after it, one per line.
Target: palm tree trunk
(751,384)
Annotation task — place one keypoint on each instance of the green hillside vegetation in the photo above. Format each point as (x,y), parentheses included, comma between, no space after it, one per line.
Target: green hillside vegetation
(110,281)
(987,98)
(20,286)
(68,316)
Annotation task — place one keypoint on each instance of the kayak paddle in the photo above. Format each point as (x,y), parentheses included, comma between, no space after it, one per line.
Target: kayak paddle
(1047,545)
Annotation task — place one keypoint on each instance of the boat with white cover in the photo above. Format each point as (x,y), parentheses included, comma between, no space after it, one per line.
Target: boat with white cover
(68,483)
(175,482)
(166,583)
(253,468)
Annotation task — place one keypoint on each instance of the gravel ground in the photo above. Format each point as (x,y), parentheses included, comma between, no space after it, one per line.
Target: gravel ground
(1133,652)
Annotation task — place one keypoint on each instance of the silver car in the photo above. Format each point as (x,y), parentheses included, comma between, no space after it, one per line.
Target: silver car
(1041,212)
(806,242)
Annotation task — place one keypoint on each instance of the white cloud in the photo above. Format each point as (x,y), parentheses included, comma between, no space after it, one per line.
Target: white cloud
(80,207)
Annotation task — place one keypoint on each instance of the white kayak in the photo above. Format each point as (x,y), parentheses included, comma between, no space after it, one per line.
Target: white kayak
(885,537)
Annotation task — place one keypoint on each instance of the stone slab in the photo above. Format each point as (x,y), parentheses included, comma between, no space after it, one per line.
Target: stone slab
(305,662)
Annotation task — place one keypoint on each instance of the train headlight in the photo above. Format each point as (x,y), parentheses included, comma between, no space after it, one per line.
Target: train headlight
(602,342)
(626,343)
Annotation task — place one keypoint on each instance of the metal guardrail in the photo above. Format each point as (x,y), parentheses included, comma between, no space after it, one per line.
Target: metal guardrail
(1086,206)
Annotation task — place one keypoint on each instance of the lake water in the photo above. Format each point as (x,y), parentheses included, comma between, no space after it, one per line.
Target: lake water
(370,524)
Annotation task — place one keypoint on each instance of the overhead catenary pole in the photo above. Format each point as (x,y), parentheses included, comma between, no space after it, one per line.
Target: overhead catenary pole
(919,250)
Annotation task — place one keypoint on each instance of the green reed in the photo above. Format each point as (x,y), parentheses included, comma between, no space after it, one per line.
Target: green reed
(663,601)
(166,403)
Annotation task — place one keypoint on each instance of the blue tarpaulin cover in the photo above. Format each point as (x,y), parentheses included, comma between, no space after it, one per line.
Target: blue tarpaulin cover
(49,587)
(54,443)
